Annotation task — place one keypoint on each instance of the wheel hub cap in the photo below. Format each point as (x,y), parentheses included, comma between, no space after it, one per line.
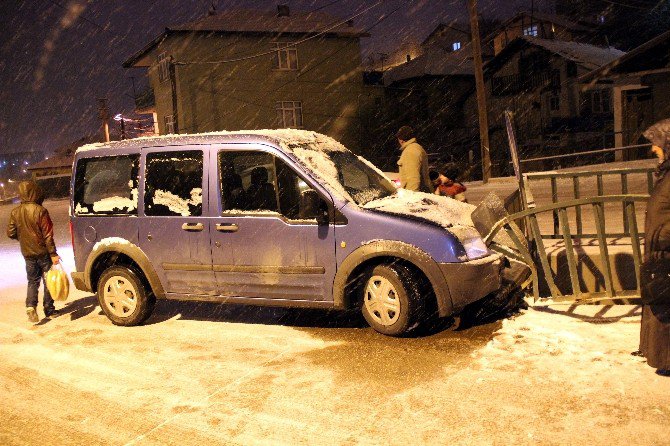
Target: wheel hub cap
(120,296)
(381,300)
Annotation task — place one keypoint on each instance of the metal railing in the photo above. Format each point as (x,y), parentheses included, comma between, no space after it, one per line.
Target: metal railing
(525,242)
(523,249)
(576,177)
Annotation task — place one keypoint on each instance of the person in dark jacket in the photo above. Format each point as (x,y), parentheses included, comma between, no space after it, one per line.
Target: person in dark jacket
(31,225)
(655,327)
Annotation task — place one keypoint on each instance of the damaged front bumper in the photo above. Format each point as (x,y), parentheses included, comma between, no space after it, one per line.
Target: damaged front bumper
(472,280)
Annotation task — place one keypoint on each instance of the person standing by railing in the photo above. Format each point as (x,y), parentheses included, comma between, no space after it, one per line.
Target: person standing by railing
(413,162)
(655,270)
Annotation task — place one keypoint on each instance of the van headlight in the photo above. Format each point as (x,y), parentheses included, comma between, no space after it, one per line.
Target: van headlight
(472,242)
(475,248)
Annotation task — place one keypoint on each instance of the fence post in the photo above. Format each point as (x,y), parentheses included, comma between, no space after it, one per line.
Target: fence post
(578,209)
(554,199)
(624,191)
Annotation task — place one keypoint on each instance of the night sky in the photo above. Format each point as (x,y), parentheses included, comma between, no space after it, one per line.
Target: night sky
(58,56)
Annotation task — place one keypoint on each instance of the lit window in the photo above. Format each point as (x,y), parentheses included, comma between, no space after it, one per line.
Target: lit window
(601,19)
(163,67)
(289,114)
(530,31)
(169,124)
(285,56)
(456,46)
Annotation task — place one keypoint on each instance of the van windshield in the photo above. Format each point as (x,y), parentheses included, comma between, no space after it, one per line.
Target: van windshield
(362,182)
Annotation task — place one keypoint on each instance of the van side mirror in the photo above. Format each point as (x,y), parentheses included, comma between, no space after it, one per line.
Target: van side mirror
(312,206)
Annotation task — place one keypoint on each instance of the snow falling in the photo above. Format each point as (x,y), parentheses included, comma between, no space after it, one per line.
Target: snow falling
(121,110)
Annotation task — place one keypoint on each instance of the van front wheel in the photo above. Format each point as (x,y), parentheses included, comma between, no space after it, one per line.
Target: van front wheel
(391,301)
(123,298)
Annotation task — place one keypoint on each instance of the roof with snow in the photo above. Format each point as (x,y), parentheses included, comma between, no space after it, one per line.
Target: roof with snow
(586,55)
(247,21)
(651,55)
(435,61)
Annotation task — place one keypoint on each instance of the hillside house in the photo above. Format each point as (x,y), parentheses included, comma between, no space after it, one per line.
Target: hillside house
(245,69)
(538,80)
(543,26)
(640,81)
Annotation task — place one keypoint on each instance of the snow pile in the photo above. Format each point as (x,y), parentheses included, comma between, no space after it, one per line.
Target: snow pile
(177,204)
(119,204)
(561,338)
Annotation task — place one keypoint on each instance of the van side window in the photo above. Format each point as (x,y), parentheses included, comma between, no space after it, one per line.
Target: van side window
(106,185)
(173,184)
(257,181)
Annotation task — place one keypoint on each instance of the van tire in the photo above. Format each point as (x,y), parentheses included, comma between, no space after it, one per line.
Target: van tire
(135,304)
(397,284)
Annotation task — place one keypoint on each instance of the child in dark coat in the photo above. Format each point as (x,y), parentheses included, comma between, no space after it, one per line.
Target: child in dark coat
(31,225)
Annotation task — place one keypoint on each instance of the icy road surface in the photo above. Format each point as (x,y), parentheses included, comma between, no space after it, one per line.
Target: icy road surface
(209,374)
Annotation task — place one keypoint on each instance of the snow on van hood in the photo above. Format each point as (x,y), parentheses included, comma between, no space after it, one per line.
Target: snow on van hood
(443,211)
(450,214)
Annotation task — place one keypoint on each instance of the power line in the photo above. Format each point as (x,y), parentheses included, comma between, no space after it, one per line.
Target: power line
(83,17)
(316,65)
(324,6)
(266,53)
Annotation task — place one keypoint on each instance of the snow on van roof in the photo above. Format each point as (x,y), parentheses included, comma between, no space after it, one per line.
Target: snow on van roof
(286,136)
(307,147)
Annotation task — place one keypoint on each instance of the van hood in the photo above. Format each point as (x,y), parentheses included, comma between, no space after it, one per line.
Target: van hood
(442,211)
(452,215)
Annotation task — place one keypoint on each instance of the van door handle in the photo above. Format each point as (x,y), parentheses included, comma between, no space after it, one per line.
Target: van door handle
(223,227)
(193,227)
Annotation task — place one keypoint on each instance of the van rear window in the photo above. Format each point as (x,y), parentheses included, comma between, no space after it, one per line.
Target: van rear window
(106,185)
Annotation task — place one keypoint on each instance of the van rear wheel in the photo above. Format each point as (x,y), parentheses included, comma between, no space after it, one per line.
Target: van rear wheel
(123,297)
(391,301)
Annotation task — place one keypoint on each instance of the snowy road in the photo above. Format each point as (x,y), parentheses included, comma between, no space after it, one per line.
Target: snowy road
(209,374)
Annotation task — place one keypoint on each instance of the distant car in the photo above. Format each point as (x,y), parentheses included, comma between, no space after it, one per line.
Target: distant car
(274,217)
(394,177)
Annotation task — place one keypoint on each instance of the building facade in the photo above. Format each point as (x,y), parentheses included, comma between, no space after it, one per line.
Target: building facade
(245,69)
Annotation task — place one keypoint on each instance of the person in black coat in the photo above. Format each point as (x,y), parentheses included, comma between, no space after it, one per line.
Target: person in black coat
(655,327)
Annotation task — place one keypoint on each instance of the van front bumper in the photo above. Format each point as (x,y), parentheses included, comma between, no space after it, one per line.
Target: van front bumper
(79,282)
(470,281)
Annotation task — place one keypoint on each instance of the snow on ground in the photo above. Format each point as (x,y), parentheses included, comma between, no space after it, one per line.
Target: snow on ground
(211,374)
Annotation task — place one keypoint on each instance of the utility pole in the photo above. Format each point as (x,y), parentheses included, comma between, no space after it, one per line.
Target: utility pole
(103,114)
(123,127)
(481,91)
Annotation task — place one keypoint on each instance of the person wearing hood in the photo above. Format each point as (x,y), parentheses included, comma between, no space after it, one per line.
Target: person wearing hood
(413,162)
(31,225)
(655,270)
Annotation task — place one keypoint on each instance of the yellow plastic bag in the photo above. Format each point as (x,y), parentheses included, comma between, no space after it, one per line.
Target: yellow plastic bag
(58,283)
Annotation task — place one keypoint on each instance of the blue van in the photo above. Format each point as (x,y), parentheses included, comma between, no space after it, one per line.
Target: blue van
(272,217)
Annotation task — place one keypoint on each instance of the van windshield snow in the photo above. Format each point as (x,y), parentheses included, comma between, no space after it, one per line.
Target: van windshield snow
(361,182)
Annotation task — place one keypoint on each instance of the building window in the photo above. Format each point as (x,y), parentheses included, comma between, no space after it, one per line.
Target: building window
(601,19)
(554,102)
(163,67)
(530,31)
(456,46)
(289,114)
(169,124)
(597,101)
(285,56)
